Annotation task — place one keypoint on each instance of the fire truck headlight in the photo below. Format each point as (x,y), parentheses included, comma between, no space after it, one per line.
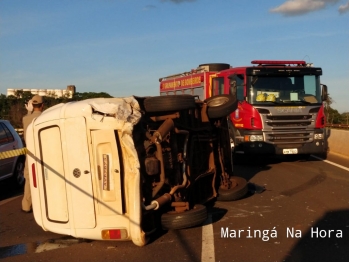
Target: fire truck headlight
(254,138)
(318,136)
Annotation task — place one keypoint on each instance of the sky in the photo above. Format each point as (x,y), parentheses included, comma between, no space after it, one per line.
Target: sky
(123,47)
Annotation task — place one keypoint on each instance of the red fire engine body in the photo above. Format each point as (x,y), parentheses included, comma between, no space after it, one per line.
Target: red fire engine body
(280,108)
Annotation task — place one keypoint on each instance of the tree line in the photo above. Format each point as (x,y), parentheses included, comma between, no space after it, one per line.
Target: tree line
(333,116)
(12,107)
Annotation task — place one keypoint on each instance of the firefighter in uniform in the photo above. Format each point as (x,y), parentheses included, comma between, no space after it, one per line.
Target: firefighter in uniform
(35,107)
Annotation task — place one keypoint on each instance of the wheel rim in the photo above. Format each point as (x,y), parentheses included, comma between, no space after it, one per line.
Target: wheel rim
(218,102)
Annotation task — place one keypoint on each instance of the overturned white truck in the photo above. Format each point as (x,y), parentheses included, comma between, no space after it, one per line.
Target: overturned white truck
(118,168)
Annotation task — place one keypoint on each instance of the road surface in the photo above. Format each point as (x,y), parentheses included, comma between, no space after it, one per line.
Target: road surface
(302,215)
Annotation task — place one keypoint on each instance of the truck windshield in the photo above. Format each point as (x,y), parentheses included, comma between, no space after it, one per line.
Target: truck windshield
(269,90)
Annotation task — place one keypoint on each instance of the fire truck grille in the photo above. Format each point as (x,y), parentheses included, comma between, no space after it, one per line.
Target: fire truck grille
(291,117)
(295,121)
(289,137)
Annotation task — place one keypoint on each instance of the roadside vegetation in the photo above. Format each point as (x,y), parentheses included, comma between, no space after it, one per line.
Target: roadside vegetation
(12,108)
(333,117)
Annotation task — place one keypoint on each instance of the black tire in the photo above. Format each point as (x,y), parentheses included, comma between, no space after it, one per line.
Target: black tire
(221,105)
(169,103)
(238,159)
(190,218)
(18,173)
(241,159)
(216,66)
(235,193)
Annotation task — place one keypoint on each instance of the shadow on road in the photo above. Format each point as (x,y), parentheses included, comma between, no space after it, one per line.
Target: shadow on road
(259,163)
(8,189)
(319,244)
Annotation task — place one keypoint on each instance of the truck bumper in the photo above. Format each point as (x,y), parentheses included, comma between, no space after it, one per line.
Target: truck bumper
(315,147)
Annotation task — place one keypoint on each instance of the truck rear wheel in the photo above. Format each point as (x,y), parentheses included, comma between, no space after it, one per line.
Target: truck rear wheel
(235,193)
(169,103)
(190,218)
(221,105)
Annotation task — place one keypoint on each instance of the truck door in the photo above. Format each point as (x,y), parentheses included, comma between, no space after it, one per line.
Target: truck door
(53,175)
(217,86)
(66,173)
(79,180)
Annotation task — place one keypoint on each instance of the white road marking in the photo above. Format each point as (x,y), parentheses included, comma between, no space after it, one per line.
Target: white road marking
(207,252)
(331,163)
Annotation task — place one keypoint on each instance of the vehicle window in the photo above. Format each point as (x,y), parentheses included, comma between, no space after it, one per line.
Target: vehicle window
(3,135)
(199,92)
(187,91)
(240,87)
(9,134)
(285,89)
(218,86)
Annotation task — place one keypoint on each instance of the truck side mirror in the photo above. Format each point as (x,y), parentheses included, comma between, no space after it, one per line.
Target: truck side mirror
(324,94)
(232,87)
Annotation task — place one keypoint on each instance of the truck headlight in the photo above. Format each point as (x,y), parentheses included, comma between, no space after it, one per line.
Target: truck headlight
(318,136)
(254,138)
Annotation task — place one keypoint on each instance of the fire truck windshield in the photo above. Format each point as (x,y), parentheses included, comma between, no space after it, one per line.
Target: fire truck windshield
(270,90)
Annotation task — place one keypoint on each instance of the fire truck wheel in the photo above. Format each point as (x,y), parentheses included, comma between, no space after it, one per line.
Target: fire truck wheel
(221,105)
(235,193)
(169,103)
(190,218)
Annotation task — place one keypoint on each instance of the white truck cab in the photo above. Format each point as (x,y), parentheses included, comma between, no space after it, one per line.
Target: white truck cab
(103,168)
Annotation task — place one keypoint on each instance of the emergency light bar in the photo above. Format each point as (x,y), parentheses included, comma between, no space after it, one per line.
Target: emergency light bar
(280,62)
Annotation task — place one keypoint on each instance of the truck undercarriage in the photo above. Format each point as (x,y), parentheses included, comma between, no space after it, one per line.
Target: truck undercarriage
(185,159)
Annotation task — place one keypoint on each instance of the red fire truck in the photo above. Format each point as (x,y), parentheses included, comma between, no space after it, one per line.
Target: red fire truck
(280,108)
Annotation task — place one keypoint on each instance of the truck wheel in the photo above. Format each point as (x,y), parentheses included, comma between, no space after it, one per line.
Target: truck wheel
(169,103)
(235,193)
(190,218)
(239,159)
(221,105)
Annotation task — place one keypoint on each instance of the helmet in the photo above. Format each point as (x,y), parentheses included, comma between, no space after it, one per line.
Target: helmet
(260,98)
(271,98)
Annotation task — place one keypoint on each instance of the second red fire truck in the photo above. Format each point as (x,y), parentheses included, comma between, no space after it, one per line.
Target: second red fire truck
(280,108)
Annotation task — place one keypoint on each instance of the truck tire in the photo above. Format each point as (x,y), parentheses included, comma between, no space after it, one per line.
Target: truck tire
(216,66)
(190,218)
(169,103)
(234,193)
(221,105)
(239,159)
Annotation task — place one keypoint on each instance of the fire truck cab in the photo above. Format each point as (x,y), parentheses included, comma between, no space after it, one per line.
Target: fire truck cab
(280,108)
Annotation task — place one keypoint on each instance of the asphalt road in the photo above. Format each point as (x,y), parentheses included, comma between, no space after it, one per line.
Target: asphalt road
(303,215)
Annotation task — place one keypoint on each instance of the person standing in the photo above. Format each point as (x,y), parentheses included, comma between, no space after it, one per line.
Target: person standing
(37,108)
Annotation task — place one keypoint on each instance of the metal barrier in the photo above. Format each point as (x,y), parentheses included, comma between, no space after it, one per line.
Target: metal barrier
(341,126)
